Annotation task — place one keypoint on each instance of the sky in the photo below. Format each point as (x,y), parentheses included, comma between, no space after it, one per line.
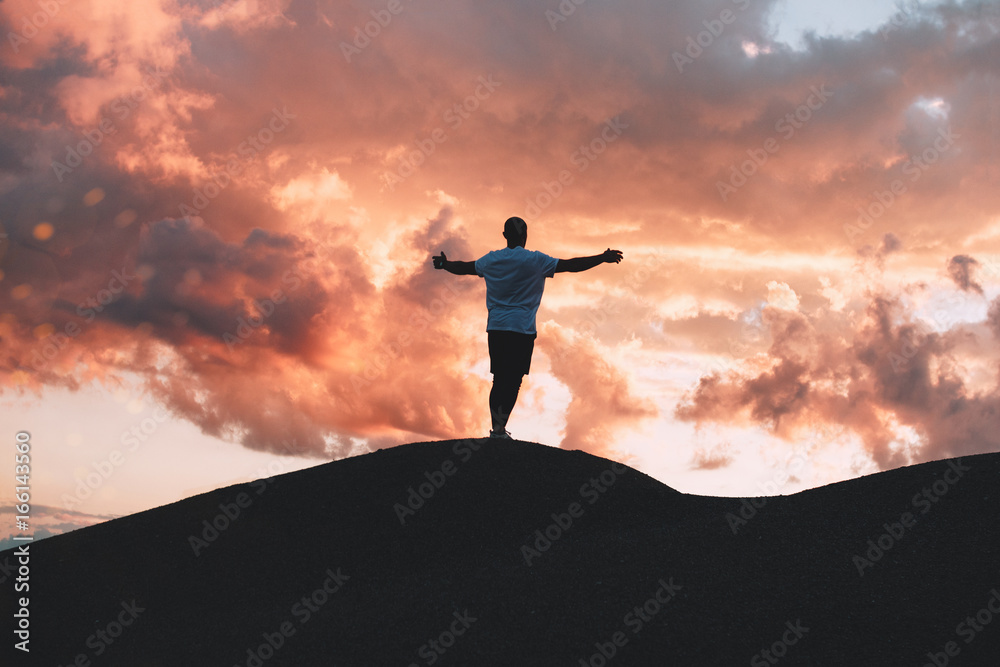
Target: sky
(217,219)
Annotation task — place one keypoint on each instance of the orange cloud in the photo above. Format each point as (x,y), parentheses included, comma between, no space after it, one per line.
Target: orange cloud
(602,398)
(892,372)
(274,286)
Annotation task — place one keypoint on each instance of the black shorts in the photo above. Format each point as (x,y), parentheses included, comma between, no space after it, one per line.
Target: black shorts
(510,351)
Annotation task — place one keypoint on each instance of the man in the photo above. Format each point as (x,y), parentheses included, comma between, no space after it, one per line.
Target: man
(515,278)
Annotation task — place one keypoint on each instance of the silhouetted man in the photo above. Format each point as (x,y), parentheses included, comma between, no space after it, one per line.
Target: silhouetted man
(515,278)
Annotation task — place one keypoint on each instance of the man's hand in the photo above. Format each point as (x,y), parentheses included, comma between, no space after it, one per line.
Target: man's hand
(612,256)
(458,268)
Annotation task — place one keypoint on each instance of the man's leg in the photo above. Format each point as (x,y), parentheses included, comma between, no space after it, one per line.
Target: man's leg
(510,360)
(502,397)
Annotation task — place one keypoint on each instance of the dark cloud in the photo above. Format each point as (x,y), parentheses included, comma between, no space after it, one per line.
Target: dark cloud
(889,244)
(993,318)
(960,269)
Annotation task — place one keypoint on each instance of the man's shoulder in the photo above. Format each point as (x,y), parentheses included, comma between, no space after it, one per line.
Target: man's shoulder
(544,261)
(489,257)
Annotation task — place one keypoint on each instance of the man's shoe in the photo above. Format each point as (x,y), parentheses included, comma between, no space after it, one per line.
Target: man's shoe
(501,434)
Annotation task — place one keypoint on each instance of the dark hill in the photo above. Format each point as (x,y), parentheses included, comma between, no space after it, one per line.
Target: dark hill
(451,585)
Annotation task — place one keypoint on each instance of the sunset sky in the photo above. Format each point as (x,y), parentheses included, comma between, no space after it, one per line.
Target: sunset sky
(217,219)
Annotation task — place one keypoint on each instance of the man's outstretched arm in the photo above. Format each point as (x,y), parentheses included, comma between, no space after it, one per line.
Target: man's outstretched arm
(458,268)
(577,264)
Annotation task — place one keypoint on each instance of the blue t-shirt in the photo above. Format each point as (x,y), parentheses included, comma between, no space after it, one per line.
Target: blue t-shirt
(515,278)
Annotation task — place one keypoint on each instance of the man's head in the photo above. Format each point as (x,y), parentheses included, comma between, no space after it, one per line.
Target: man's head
(515,230)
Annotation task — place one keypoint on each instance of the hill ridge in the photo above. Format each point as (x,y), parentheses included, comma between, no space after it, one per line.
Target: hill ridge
(488,552)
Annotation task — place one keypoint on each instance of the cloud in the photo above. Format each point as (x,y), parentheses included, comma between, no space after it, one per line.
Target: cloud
(279,293)
(892,373)
(781,295)
(602,399)
(959,269)
(317,189)
(719,456)
(47,521)
(205,320)
(993,317)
